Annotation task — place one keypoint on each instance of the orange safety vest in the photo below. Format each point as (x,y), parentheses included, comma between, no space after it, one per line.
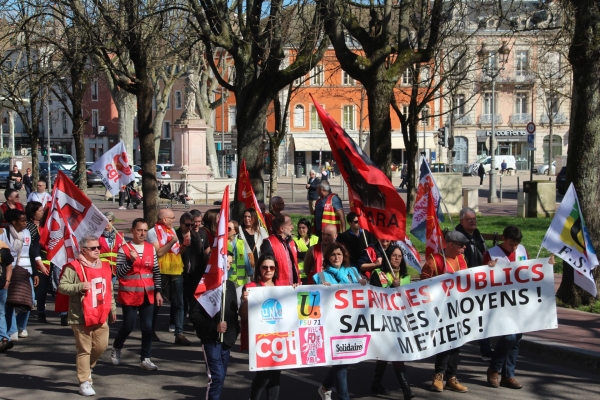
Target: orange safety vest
(108,253)
(97,301)
(441,267)
(329,217)
(139,280)
(279,251)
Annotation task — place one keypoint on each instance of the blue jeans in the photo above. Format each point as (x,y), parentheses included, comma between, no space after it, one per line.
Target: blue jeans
(146,311)
(173,285)
(3,327)
(505,355)
(338,376)
(217,360)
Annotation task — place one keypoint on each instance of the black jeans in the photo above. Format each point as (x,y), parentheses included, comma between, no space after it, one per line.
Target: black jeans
(480,180)
(446,363)
(129,315)
(41,292)
(268,379)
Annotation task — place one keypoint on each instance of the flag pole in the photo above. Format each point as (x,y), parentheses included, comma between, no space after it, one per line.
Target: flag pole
(223,291)
(443,251)
(387,259)
(122,238)
(539,251)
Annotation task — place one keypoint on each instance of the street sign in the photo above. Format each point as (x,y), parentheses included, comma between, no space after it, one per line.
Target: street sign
(530,128)
(530,138)
(433,156)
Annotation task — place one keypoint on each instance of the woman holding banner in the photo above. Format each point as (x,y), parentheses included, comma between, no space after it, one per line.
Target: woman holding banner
(383,278)
(337,271)
(304,241)
(252,234)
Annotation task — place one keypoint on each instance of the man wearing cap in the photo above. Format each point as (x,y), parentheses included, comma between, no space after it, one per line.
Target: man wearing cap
(451,261)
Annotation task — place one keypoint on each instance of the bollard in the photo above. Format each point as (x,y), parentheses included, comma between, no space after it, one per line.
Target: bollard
(265,197)
(206,192)
(518,184)
(500,188)
(293,194)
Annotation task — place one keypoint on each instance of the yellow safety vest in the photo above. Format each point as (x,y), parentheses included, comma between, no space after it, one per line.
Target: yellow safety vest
(303,248)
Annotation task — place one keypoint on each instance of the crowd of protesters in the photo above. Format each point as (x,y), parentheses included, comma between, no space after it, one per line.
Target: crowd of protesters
(164,264)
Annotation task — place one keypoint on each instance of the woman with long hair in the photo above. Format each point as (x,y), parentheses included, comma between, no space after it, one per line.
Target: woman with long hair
(252,234)
(385,278)
(304,240)
(34,212)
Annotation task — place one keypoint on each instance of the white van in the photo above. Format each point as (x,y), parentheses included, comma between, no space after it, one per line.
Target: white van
(511,164)
(66,160)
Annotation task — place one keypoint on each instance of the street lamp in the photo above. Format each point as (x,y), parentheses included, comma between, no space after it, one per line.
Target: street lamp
(491,68)
(424,117)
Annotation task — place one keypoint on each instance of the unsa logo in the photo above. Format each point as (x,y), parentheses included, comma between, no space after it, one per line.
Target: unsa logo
(271,311)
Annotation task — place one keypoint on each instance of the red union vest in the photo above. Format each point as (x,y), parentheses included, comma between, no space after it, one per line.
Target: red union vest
(318,262)
(329,217)
(279,251)
(139,280)
(108,253)
(441,267)
(97,301)
(496,253)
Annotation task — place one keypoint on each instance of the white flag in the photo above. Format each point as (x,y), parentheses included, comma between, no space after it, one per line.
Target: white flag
(113,167)
(586,282)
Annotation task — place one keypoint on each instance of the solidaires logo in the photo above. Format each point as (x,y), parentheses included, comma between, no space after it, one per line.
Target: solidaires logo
(309,305)
(271,311)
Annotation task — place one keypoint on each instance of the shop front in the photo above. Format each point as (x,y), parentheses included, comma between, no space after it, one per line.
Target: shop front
(509,142)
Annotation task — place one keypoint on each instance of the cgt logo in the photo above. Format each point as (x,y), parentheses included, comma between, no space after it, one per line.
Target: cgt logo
(309,305)
(271,311)
(349,347)
(276,349)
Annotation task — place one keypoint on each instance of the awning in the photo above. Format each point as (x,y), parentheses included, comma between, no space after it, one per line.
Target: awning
(311,144)
(430,142)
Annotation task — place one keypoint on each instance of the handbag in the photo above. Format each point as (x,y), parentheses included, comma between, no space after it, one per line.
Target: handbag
(18,185)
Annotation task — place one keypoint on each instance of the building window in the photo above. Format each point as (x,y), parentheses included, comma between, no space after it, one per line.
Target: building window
(64,122)
(407,76)
(299,81)
(552,104)
(168,101)
(347,80)
(316,78)
(315,122)
(95,90)
(178,99)
(95,121)
(167,130)
(490,61)
(521,102)
(487,104)
(405,110)
(231,114)
(348,118)
(521,62)
(299,116)
(459,105)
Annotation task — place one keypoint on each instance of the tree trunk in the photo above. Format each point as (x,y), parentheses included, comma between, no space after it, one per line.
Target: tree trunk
(78,127)
(126,108)
(211,152)
(146,138)
(412,158)
(274,157)
(584,141)
(380,124)
(35,162)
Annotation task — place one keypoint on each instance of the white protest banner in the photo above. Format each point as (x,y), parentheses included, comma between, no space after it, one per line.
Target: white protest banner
(113,168)
(344,324)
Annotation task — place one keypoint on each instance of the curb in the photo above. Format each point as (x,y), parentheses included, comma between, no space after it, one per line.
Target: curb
(563,353)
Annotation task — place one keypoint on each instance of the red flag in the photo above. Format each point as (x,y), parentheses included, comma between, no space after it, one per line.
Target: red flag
(435,239)
(246,193)
(209,291)
(72,216)
(373,197)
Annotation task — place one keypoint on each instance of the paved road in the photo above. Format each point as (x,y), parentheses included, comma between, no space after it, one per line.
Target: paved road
(43,366)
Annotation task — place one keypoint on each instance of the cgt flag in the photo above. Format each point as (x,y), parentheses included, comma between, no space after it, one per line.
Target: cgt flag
(435,239)
(569,239)
(113,168)
(246,193)
(420,217)
(372,196)
(209,291)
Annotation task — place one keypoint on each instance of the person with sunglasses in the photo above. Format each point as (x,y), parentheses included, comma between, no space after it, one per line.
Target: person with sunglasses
(87,282)
(304,241)
(265,274)
(40,195)
(372,257)
(449,262)
(283,248)
(385,278)
(12,203)
(336,271)
(355,239)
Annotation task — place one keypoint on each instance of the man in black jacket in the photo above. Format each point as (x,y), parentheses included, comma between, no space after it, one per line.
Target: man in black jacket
(208,329)
(355,239)
(474,256)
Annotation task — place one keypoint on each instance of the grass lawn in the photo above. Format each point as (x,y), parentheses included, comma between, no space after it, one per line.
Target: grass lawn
(533,230)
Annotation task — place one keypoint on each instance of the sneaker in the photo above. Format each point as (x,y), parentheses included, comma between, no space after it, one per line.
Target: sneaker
(86,389)
(42,318)
(115,356)
(438,383)
(492,378)
(487,356)
(148,365)
(14,337)
(122,208)
(455,386)
(182,340)
(325,394)
(378,388)
(23,333)
(171,328)
(155,337)
(64,320)
(510,383)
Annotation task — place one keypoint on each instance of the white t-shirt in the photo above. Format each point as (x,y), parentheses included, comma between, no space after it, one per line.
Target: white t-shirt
(40,197)
(151,236)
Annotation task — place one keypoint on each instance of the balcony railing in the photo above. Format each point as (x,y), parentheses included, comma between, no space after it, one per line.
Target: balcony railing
(557,118)
(486,119)
(464,119)
(520,119)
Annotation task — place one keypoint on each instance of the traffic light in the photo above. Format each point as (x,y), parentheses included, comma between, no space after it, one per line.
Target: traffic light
(442,137)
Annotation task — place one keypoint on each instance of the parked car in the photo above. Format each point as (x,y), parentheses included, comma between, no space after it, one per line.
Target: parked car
(137,175)
(92,178)
(66,160)
(561,181)
(55,168)
(543,169)
(162,171)
(4,170)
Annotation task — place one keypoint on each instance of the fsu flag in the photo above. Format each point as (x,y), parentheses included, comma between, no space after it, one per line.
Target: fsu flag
(113,168)
(246,193)
(426,187)
(372,196)
(72,216)
(209,291)
(435,239)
